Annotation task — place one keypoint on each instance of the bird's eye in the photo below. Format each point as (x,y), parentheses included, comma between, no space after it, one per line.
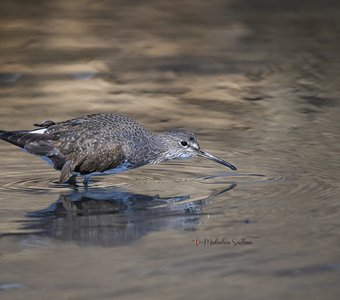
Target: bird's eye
(184,143)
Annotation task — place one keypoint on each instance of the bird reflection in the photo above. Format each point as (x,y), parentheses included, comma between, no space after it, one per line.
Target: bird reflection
(113,217)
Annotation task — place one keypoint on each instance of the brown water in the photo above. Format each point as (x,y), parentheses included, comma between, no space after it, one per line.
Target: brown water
(258,81)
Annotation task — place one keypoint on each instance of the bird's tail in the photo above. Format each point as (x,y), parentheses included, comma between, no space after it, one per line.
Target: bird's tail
(34,143)
(17,138)
(2,133)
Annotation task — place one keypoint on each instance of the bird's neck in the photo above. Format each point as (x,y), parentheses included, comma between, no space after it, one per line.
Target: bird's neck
(152,149)
(158,148)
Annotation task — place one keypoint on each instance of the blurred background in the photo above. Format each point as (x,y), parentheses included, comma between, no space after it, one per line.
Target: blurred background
(258,81)
(166,61)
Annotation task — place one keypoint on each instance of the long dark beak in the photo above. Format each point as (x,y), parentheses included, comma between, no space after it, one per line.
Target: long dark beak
(215,159)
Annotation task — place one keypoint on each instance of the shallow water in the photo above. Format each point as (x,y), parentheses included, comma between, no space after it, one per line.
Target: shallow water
(258,83)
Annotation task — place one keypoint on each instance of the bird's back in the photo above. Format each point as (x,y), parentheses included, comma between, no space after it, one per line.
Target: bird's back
(102,129)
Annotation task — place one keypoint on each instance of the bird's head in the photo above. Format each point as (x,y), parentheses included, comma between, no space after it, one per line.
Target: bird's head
(182,144)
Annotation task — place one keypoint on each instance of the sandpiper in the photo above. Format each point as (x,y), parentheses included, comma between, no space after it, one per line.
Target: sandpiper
(104,144)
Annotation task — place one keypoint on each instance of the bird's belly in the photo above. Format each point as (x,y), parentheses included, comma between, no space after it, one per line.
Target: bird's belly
(50,162)
(119,169)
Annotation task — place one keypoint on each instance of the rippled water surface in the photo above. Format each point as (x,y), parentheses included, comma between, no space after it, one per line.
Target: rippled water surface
(258,81)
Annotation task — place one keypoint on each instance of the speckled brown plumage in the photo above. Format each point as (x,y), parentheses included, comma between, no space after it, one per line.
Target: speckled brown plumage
(101,142)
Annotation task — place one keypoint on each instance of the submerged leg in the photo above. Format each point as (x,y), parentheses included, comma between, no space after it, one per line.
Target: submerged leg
(86,180)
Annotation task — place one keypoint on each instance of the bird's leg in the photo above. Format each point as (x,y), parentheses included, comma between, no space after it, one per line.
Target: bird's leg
(86,180)
(72,180)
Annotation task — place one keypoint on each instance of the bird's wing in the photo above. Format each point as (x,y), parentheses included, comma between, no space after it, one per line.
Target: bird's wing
(86,156)
(96,158)
(84,153)
(88,146)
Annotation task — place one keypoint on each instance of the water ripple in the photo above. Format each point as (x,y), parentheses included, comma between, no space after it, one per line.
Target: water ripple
(28,181)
